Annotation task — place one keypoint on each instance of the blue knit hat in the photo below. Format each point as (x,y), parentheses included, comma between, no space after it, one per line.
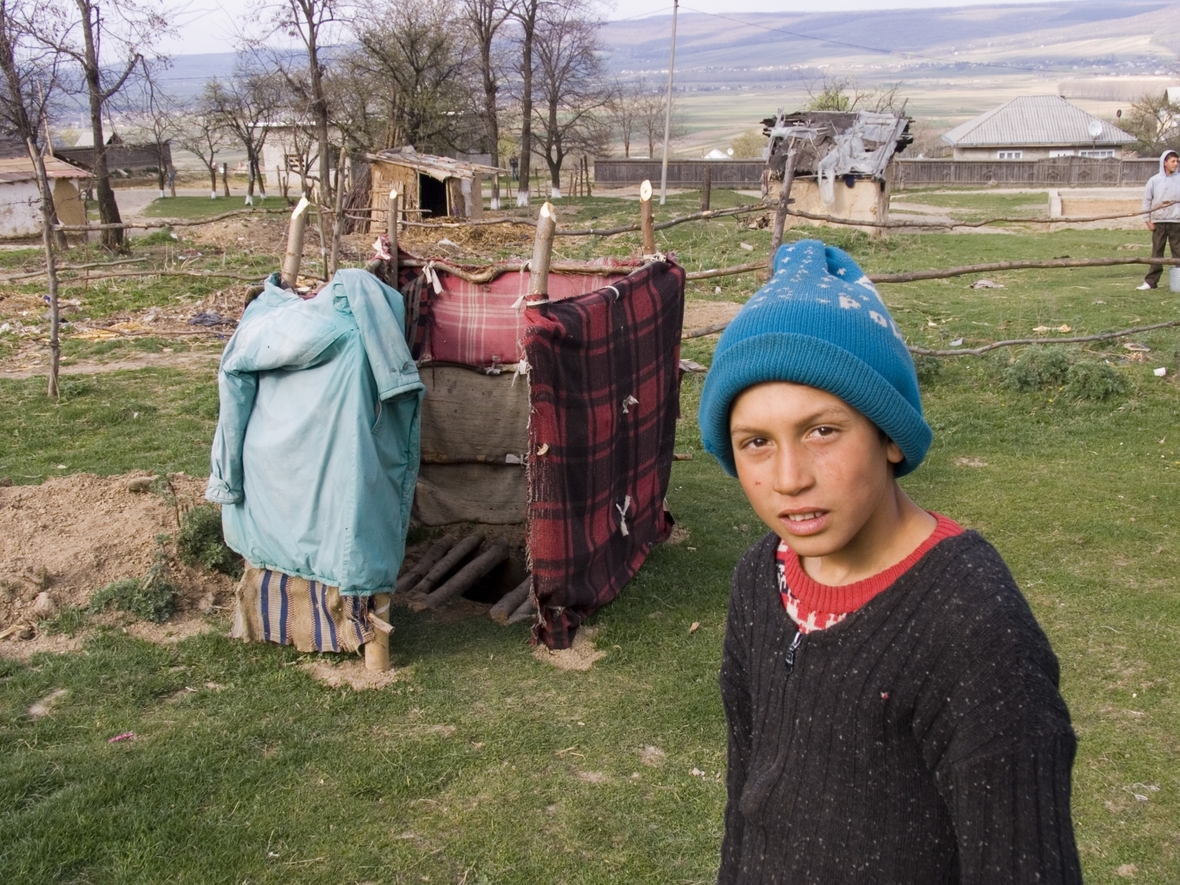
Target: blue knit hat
(819,322)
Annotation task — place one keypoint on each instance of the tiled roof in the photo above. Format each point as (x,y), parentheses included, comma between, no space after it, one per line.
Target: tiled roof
(1034,120)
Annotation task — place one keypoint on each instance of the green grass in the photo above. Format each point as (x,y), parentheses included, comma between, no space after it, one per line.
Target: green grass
(481,764)
(203,207)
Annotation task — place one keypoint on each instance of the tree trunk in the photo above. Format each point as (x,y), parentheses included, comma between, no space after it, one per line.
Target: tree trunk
(491,122)
(528,23)
(212,181)
(108,208)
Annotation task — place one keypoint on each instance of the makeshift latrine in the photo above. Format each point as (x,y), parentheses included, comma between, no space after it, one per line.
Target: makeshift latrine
(554,409)
(429,186)
(839,162)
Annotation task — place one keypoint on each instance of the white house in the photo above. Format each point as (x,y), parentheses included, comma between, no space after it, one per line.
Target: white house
(20,201)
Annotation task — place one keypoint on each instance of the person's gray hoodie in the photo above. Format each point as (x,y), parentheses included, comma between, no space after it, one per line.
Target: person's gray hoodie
(1163,188)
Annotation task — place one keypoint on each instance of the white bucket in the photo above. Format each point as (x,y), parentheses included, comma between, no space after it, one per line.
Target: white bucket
(1174,279)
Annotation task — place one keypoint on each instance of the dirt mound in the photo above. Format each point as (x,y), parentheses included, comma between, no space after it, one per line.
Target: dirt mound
(62,541)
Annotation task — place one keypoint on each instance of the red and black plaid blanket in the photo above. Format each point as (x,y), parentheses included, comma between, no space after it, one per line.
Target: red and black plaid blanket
(604,388)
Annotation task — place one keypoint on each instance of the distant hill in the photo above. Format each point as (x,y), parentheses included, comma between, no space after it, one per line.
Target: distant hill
(747,49)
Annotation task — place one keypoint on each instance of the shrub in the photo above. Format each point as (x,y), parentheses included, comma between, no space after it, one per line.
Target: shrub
(201,542)
(1037,367)
(152,597)
(1091,379)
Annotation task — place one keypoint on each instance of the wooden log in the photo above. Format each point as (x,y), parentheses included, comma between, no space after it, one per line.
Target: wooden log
(464,579)
(542,253)
(444,566)
(377,650)
(338,214)
(294,253)
(784,200)
(707,188)
(524,613)
(433,554)
(646,224)
(511,601)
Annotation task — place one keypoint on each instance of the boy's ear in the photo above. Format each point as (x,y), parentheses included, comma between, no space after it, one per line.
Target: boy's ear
(893,452)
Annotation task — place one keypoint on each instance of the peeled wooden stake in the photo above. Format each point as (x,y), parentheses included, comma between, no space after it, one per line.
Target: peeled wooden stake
(542,253)
(433,554)
(391,232)
(511,601)
(443,567)
(645,219)
(524,613)
(294,254)
(465,578)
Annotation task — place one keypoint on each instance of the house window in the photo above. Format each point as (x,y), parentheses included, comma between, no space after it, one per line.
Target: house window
(1009,155)
(1097,155)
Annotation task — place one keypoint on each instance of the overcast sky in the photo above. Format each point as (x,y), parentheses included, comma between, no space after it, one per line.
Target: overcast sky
(210,25)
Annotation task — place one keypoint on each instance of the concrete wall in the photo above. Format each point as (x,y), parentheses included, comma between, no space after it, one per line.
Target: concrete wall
(20,206)
(866,200)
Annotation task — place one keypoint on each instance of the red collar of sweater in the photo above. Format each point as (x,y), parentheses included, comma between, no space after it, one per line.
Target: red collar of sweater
(812,597)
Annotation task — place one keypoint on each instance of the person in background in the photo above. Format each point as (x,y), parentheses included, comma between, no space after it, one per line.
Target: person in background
(1161,205)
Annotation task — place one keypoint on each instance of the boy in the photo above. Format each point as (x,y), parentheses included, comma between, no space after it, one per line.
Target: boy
(892,704)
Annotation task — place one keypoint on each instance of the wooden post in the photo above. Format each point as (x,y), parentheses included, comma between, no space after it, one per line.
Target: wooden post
(294,254)
(433,554)
(586,166)
(645,219)
(542,252)
(391,226)
(475,210)
(377,650)
(448,562)
(707,188)
(465,578)
(511,601)
(784,200)
(338,222)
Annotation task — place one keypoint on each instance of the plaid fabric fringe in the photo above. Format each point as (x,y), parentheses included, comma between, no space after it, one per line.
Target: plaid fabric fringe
(604,386)
(274,607)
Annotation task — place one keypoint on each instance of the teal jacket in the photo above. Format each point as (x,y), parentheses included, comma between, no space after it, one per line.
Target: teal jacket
(317,445)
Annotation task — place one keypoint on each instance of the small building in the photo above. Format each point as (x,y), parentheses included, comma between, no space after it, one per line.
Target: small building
(429,186)
(20,200)
(136,158)
(843,164)
(1036,127)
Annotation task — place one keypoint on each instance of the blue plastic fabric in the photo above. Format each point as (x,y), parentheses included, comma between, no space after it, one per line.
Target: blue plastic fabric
(317,445)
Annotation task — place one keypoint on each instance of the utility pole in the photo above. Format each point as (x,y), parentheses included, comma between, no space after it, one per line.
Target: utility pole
(668,107)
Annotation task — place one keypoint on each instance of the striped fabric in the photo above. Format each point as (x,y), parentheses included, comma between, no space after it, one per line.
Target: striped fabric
(604,384)
(311,615)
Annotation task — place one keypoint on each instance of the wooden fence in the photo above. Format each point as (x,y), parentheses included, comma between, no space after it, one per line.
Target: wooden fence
(747,174)
(729,174)
(1060,171)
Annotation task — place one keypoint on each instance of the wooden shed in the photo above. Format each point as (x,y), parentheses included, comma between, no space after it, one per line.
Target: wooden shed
(429,186)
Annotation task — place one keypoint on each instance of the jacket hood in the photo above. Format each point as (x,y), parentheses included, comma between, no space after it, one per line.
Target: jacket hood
(1165,156)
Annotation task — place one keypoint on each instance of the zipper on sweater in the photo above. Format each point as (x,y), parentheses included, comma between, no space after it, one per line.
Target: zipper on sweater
(789,657)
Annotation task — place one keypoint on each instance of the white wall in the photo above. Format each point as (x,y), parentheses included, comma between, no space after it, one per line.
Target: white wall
(20,209)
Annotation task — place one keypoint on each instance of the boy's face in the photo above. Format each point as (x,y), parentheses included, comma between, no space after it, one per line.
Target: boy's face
(816,470)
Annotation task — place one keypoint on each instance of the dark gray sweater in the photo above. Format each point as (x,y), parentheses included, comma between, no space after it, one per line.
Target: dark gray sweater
(921,740)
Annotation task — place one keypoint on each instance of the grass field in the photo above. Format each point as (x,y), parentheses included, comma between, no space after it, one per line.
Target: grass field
(482,764)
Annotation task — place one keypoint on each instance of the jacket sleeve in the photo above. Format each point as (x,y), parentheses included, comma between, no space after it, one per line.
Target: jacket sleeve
(1002,749)
(736,698)
(236,391)
(1148,198)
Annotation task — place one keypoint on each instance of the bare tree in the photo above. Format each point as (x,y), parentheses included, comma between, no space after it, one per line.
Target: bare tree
(569,86)
(623,111)
(1155,121)
(245,105)
(28,85)
(651,108)
(161,114)
(204,136)
(484,18)
(839,93)
(90,34)
(314,23)
(414,52)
